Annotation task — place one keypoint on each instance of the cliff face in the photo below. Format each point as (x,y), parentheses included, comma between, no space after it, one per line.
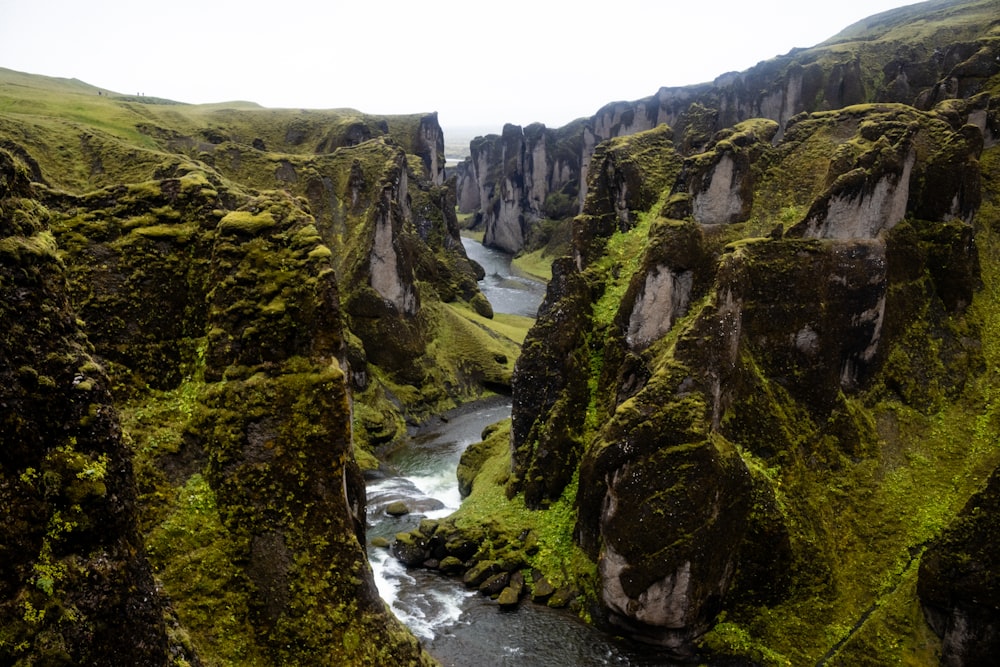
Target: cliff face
(230,288)
(515,179)
(74,578)
(735,380)
(883,59)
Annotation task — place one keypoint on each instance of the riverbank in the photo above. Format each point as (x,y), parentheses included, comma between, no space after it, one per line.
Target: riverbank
(536,265)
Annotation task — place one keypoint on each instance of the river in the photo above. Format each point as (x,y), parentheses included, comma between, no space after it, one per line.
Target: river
(460,627)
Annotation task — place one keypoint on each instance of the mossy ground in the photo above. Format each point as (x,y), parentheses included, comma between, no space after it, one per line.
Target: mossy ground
(536,264)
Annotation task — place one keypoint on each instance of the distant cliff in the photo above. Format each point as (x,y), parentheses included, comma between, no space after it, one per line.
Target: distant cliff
(509,177)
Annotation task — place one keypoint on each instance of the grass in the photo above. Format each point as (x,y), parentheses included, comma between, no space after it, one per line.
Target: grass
(135,136)
(511,327)
(617,265)
(536,264)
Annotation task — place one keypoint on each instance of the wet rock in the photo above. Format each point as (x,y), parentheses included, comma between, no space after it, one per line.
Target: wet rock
(563,597)
(409,550)
(516,583)
(462,548)
(542,590)
(508,598)
(397,508)
(480,572)
(493,585)
(451,565)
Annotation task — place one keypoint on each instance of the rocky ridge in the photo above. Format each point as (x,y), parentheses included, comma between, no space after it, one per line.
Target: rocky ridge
(259,296)
(759,386)
(517,179)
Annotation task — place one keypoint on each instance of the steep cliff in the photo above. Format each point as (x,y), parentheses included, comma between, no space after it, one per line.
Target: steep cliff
(73,574)
(918,55)
(268,296)
(765,389)
(515,179)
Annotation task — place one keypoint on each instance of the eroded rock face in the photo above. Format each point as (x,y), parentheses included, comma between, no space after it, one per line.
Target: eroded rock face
(665,296)
(385,275)
(75,586)
(716,342)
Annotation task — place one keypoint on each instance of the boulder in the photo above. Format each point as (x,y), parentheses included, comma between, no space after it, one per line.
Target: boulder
(508,598)
(397,508)
(493,585)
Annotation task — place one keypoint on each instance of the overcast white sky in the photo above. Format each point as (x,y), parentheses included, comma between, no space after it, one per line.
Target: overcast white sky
(475,63)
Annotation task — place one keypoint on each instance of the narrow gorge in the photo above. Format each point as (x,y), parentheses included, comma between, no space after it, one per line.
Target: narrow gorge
(752,421)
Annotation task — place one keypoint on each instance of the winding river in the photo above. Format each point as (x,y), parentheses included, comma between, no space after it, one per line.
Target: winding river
(458,626)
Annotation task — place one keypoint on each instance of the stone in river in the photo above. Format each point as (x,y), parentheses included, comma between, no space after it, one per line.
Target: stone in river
(397,508)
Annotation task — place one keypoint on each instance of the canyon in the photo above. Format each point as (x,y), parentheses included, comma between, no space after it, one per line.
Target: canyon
(752,422)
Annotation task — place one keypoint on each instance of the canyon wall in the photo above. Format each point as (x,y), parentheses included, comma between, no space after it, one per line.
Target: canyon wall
(873,61)
(204,338)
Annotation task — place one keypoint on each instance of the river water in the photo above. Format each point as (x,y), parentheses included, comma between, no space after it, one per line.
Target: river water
(460,627)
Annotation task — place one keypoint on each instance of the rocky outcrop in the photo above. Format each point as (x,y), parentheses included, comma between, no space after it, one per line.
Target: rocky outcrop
(75,586)
(717,186)
(728,344)
(869,190)
(851,68)
(277,435)
(551,381)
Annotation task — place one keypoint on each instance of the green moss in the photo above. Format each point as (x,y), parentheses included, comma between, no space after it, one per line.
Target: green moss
(16,248)
(615,268)
(195,558)
(180,233)
(551,549)
(247,222)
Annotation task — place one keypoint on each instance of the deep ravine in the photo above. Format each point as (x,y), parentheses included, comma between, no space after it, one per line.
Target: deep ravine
(458,626)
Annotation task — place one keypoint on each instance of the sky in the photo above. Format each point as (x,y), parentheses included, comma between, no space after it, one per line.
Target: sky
(476,64)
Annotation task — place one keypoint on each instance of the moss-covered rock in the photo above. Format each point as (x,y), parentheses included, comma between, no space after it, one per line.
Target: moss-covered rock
(215,303)
(752,396)
(958,581)
(549,387)
(74,580)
